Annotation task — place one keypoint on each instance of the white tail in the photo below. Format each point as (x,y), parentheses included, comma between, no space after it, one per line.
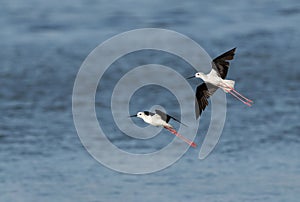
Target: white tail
(229,85)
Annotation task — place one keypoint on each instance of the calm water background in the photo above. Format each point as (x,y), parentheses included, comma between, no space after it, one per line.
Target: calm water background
(43,44)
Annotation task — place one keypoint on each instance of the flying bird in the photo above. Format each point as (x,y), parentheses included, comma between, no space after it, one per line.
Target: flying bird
(160,118)
(216,79)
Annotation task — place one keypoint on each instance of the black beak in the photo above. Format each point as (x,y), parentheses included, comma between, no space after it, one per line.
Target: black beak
(133,116)
(190,77)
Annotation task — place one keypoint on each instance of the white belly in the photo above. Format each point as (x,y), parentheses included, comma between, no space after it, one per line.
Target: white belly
(226,85)
(217,81)
(156,121)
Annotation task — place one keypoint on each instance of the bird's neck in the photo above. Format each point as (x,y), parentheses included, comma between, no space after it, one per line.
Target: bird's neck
(147,119)
(204,77)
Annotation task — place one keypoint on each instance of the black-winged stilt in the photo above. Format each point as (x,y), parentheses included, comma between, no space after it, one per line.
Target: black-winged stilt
(160,118)
(216,79)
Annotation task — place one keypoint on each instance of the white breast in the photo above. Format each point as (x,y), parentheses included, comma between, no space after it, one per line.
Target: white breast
(213,78)
(156,120)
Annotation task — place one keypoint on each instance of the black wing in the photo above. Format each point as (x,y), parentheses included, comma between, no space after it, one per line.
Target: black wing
(220,63)
(166,117)
(203,92)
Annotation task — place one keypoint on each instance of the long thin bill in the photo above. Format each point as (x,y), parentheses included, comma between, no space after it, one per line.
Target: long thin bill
(190,77)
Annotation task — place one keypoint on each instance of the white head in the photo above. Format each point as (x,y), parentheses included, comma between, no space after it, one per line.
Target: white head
(199,75)
(141,115)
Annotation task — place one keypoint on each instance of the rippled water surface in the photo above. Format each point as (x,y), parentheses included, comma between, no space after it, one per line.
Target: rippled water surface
(43,45)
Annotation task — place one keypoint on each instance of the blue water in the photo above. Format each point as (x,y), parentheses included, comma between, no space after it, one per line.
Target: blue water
(42,47)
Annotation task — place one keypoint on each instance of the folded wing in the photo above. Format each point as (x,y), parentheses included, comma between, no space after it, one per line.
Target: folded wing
(167,117)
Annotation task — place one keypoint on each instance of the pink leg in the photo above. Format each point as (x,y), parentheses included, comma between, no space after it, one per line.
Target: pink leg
(248,100)
(236,96)
(181,137)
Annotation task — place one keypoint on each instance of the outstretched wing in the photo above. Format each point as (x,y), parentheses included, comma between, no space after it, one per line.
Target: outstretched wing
(220,63)
(167,117)
(203,92)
